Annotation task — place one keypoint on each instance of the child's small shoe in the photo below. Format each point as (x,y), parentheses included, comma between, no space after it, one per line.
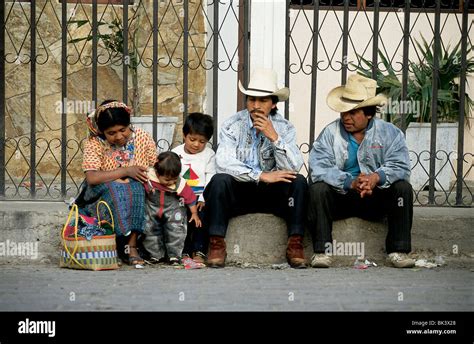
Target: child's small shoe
(154,260)
(174,261)
(199,257)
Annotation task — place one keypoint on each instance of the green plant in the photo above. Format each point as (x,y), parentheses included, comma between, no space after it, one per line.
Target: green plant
(114,43)
(420,84)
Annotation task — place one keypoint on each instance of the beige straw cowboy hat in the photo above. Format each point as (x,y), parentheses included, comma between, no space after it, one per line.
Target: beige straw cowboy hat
(358,92)
(263,83)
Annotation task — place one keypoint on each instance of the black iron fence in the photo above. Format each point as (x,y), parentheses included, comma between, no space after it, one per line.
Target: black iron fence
(47,167)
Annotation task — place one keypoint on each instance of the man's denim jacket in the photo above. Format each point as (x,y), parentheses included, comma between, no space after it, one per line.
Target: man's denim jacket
(383,150)
(236,141)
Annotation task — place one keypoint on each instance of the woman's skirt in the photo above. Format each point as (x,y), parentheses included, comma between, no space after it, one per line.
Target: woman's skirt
(126,201)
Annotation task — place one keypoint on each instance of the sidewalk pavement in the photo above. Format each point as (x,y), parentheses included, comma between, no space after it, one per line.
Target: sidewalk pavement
(46,287)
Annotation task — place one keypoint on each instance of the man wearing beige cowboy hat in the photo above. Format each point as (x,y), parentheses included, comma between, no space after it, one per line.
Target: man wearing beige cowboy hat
(257,165)
(359,166)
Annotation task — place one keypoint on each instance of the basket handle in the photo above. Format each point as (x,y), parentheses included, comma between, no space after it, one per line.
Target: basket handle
(110,212)
(74,210)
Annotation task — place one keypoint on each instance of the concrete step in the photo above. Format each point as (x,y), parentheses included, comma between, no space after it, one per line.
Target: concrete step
(446,232)
(252,238)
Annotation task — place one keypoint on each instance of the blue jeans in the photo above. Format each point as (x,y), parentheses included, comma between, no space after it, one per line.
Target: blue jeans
(396,203)
(226,198)
(197,239)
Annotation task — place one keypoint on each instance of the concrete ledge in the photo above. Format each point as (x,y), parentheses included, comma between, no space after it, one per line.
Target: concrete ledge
(253,238)
(262,238)
(37,223)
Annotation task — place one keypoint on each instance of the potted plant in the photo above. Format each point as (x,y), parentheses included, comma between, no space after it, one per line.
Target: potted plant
(417,108)
(420,85)
(113,42)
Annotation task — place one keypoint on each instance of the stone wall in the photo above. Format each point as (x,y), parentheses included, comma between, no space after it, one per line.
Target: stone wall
(79,76)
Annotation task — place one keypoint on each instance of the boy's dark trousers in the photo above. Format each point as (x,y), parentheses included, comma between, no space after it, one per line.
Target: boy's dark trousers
(396,202)
(226,198)
(197,238)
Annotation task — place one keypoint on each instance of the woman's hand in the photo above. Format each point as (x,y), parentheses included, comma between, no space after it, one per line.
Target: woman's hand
(137,173)
(99,177)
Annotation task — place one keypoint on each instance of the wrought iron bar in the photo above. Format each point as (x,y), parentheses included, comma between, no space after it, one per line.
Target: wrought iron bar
(3,147)
(287,56)
(215,69)
(64,22)
(95,40)
(246,49)
(375,44)
(345,41)
(434,101)
(155,70)
(125,58)
(185,58)
(33,99)
(375,39)
(406,52)
(314,71)
(462,102)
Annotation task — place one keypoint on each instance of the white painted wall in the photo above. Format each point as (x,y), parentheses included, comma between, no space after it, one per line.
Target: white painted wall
(267,49)
(227,79)
(267,38)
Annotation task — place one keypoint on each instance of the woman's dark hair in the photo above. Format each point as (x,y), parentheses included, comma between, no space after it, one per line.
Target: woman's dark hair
(112,116)
(168,164)
(199,124)
(370,110)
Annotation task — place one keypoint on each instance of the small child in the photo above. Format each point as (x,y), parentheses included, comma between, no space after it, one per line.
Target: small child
(166,215)
(199,165)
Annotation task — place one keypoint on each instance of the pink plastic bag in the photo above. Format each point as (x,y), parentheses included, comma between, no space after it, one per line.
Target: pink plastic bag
(191,264)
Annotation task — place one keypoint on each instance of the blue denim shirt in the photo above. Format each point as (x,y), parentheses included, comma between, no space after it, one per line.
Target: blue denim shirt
(252,160)
(245,155)
(383,150)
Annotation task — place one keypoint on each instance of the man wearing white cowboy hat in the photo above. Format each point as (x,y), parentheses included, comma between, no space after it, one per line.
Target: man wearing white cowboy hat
(257,165)
(359,166)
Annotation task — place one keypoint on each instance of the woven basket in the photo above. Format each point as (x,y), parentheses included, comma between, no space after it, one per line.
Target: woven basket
(99,253)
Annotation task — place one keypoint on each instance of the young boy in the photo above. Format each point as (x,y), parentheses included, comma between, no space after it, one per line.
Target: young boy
(166,195)
(198,167)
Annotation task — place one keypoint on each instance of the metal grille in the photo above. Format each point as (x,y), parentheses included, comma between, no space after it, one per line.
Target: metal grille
(361,32)
(34,165)
(130,36)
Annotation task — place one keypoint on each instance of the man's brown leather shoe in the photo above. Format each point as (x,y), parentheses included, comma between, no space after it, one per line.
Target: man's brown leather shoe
(295,252)
(217,252)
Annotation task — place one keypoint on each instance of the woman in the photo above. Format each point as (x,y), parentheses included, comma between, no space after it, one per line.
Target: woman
(116,157)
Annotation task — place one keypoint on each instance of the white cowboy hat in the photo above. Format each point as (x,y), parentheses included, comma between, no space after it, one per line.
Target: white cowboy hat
(263,83)
(358,92)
